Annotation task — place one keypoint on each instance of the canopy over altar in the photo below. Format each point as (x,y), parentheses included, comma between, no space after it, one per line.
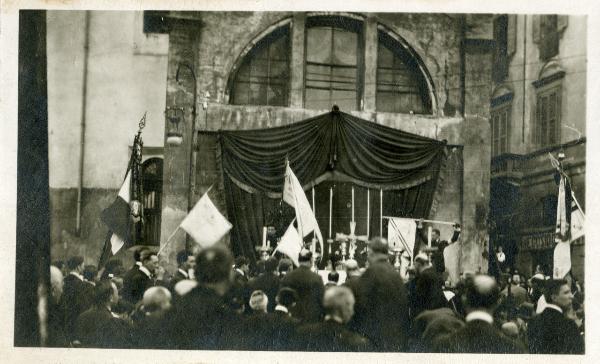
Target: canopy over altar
(335,156)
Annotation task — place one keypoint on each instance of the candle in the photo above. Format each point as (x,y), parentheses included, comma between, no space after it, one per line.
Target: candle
(381,212)
(264,237)
(313,201)
(352,203)
(330,208)
(429,230)
(368,211)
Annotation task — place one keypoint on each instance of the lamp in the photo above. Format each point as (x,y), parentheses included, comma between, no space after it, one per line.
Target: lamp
(174,116)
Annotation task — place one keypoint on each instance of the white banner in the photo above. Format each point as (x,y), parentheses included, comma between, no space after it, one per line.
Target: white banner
(205,223)
(402,233)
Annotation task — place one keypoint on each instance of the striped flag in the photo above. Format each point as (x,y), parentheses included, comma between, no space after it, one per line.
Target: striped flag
(117,218)
(293,194)
(570,222)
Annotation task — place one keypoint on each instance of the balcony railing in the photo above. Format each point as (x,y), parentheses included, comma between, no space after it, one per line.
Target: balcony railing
(516,166)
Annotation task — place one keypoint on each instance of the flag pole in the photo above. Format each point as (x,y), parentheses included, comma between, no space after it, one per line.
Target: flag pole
(428,221)
(577,203)
(168,240)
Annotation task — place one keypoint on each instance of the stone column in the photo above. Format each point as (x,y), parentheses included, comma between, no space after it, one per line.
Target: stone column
(176,171)
(478,58)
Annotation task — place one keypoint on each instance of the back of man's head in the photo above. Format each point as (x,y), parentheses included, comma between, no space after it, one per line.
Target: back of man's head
(213,265)
(259,301)
(378,245)
(285,265)
(333,277)
(482,292)
(113,266)
(103,292)
(305,257)
(338,302)
(287,297)
(156,299)
(74,262)
(90,272)
(182,257)
(271,265)
(351,267)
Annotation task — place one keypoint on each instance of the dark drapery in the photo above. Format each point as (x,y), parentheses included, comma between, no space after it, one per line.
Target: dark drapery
(334,150)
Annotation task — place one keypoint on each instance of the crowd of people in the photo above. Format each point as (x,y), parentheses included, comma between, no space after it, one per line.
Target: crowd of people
(216,302)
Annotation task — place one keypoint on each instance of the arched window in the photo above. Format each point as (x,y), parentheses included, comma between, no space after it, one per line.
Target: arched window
(263,77)
(152,172)
(334,71)
(333,49)
(401,87)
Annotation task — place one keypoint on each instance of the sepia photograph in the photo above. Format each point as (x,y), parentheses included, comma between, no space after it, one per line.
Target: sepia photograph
(309,180)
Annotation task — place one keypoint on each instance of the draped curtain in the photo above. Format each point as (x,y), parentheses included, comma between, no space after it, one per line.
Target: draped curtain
(333,150)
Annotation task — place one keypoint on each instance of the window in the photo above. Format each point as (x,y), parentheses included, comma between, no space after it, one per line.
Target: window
(400,86)
(152,172)
(548,117)
(549,205)
(500,68)
(263,77)
(333,46)
(334,70)
(500,117)
(549,36)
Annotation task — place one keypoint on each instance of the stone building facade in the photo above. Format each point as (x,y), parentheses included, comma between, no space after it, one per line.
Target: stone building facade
(441,63)
(538,106)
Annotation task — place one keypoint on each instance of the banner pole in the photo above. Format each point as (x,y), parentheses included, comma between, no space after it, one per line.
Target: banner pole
(168,241)
(428,221)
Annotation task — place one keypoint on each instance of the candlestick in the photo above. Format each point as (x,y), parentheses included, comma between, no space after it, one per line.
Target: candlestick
(264,237)
(330,208)
(352,203)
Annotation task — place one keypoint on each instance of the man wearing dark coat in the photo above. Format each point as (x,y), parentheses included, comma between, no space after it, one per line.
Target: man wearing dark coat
(381,310)
(77,295)
(426,293)
(309,287)
(437,257)
(141,279)
(332,334)
(99,327)
(551,332)
(201,319)
(268,282)
(479,335)
(185,263)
